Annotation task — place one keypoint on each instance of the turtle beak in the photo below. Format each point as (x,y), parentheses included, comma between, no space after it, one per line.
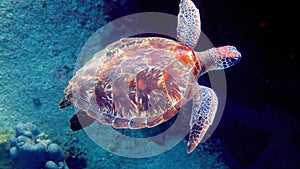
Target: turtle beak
(233,57)
(236,56)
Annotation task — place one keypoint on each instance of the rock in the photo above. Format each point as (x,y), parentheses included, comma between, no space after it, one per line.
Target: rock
(55,153)
(21,140)
(13,152)
(31,149)
(27,129)
(28,155)
(62,165)
(36,102)
(51,165)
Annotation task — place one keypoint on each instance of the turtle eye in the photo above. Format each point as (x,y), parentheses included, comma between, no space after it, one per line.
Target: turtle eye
(232,49)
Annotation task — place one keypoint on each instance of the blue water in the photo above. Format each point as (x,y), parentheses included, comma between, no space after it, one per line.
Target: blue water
(40,41)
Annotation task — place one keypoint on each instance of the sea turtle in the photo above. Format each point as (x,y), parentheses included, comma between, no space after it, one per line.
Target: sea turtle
(142,82)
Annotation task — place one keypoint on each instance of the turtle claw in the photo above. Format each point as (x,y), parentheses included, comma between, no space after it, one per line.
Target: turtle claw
(191,146)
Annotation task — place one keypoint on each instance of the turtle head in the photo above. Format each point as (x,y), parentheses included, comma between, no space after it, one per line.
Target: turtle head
(226,56)
(219,58)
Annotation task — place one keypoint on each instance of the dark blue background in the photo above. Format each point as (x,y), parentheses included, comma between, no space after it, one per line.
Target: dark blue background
(260,126)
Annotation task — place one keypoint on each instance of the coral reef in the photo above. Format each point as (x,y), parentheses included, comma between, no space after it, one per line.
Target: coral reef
(31,149)
(5,160)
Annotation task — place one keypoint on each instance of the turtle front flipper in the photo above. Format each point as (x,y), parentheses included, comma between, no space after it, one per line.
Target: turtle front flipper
(203,113)
(80,120)
(189,24)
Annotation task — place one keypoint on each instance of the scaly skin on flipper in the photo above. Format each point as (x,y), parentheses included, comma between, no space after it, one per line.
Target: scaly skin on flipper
(189,24)
(204,109)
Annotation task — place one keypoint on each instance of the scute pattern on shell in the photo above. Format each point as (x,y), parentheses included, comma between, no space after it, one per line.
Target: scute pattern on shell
(135,82)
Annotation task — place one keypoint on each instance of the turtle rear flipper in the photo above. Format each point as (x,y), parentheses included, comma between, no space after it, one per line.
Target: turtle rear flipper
(80,120)
(64,103)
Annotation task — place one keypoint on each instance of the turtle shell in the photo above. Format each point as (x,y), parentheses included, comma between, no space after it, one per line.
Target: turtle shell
(135,82)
